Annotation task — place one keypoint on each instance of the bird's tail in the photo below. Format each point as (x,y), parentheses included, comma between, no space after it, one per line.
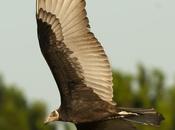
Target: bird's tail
(142,116)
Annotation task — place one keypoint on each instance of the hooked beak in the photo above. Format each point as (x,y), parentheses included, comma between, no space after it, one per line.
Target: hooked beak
(54,116)
(49,120)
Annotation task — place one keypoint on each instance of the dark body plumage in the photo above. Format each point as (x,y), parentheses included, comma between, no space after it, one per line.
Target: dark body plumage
(117,124)
(81,69)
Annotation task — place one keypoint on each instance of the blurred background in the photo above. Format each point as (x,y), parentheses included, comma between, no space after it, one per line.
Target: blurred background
(138,37)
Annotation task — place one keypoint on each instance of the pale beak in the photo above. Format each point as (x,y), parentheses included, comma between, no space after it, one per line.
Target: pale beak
(54,116)
(46,121)
(49,120)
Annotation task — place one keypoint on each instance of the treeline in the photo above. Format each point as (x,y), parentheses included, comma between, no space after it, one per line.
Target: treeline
(145,89)
(17,114)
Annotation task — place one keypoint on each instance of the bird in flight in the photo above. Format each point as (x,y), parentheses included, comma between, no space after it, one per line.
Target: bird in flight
(81,70)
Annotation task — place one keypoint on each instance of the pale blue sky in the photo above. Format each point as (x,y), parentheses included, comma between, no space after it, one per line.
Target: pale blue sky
(131,31)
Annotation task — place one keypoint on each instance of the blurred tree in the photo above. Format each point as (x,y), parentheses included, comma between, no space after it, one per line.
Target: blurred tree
(142,96)
(16,114)
(151,92)
(158,84)
(122,95)
(172,105)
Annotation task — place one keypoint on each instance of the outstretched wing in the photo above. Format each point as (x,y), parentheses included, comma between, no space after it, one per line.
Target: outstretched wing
(75,57)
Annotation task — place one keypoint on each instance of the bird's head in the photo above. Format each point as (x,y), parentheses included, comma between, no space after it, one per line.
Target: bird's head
(53,116)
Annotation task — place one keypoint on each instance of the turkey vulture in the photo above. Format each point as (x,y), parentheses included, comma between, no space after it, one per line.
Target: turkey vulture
(81,70)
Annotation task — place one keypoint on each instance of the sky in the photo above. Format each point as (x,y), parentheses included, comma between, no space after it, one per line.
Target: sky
(131,32)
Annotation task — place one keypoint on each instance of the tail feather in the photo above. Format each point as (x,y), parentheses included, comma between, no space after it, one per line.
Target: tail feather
(142,116)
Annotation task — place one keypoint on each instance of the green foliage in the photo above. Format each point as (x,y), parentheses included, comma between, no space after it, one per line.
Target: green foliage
(16,114)
(122,89)
(147,90)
